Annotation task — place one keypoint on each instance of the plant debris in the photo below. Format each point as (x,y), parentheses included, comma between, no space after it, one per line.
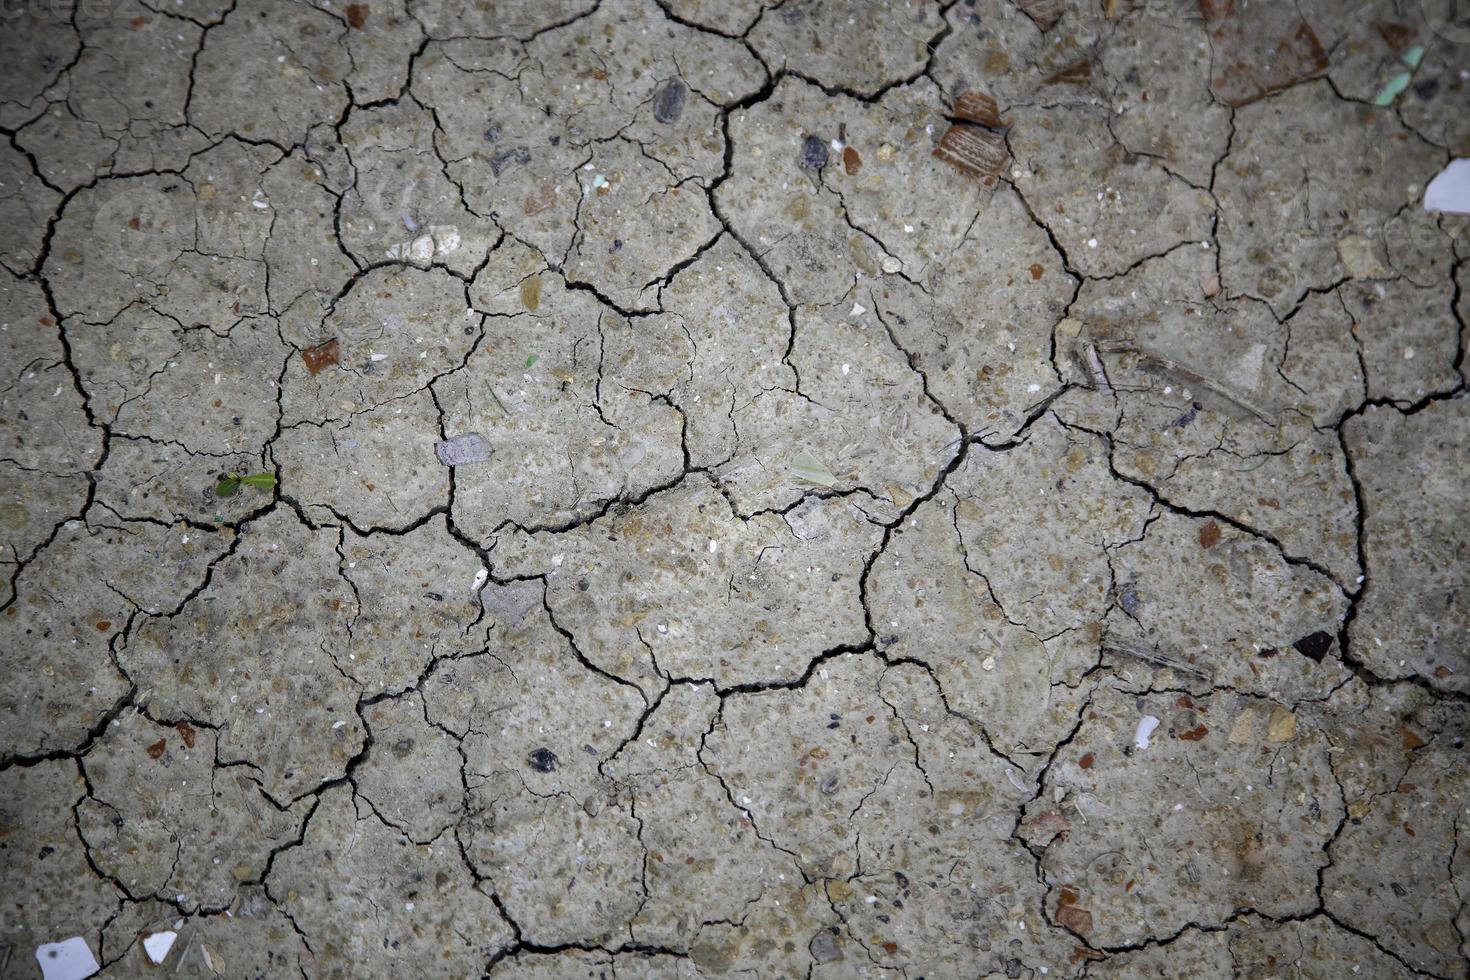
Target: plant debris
(229,485)
(805,466)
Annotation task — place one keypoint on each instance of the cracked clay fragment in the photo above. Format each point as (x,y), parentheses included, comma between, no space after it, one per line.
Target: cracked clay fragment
(469,447)
(973,151)
(805,466)
(70,959)
(1449,191)
(1260,48)
(321,356)
(668,105)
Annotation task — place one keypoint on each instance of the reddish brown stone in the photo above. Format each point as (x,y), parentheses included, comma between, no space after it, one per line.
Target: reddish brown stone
(1079,920)
(1209,535)
(186,732)
(321,355)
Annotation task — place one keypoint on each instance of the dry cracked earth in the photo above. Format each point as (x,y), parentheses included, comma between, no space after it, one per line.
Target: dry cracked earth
(733,488)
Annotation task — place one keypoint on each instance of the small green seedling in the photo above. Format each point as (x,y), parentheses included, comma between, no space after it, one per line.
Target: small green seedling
(227,485)
(531,361)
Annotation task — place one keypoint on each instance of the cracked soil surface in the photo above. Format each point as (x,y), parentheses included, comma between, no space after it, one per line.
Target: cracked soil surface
(965,489)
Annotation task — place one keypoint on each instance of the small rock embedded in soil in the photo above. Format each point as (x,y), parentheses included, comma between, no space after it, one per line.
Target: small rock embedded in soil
(1209,535)
(813,153)
(668,105)
(470,447)
(1314,646)
(824,947)
(1282,725)
(543,760)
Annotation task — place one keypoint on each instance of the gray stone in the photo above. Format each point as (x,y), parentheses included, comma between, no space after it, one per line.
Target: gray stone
(824,947)
(469,447)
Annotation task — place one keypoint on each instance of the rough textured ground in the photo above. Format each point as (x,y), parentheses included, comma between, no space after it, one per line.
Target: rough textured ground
(870,465)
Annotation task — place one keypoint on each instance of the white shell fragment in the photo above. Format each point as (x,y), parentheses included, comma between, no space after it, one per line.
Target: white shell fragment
(1449,191)
(158,944)
(439,241)
(70,959)
(1146,726)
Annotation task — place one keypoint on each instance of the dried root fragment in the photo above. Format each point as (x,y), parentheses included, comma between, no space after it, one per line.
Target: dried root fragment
(1171,366)
(1154,659)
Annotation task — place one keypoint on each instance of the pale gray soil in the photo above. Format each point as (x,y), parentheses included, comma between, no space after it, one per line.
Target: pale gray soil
(734,501)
